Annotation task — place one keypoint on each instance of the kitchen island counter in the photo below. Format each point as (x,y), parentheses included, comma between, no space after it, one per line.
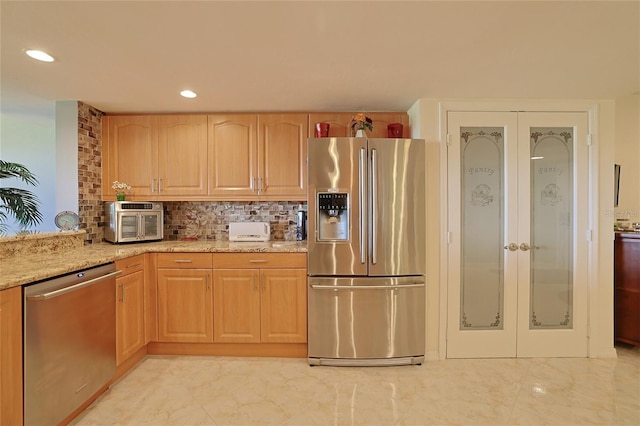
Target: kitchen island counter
(28,268)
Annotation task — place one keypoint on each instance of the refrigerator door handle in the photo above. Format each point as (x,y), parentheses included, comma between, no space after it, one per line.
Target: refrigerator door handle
(361,191)
(374,206)
(364,287)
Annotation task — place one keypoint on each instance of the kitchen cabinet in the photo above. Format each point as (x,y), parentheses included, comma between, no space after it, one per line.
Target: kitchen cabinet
(260,298)
(161,156)
(627,288)
(11,356)
(257,156)
(130,307)
(185,297)
(339,123)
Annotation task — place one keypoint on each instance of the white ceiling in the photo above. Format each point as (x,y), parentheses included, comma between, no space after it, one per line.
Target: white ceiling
(136,56)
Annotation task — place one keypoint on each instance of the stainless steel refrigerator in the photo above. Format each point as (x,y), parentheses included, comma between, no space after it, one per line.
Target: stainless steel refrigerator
(367,251)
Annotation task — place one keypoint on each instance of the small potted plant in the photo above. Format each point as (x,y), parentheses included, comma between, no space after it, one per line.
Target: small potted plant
(120,188)
(360,123)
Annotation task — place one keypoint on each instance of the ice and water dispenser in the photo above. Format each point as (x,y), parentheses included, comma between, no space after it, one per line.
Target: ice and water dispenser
(333,216)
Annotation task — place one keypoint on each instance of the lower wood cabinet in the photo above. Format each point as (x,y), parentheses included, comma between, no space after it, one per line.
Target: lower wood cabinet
(185,297)
(259,298)
(11,356)
(130,307)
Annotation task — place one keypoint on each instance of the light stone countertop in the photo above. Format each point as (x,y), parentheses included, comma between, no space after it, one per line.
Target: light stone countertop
(28,268)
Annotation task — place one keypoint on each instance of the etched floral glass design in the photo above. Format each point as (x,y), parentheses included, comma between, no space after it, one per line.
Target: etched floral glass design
(482,269)
(552,212)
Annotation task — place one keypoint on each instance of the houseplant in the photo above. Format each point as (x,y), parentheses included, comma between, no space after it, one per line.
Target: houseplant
(22,204)
(360,123)
(120,188)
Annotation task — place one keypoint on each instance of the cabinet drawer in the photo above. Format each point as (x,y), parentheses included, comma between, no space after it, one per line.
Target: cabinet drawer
(259,260)
(131,264)
(184,260)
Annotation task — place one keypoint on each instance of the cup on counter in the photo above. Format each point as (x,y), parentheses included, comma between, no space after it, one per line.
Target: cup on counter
(394,130)
(322,130)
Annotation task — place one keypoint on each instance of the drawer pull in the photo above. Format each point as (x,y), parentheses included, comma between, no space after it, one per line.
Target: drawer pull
(258,261)
(133,265)
(183,261)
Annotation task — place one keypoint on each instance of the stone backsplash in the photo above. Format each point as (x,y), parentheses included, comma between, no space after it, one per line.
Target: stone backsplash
(209,220)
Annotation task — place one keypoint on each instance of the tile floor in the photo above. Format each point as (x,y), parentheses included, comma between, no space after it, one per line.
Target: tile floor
(180,390)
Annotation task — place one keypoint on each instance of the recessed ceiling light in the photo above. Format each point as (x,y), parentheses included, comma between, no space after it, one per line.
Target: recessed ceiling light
(188,94)
(39,55)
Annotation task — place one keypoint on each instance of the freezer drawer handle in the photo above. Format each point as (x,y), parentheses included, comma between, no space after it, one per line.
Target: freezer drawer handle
(60,292)
(364,287)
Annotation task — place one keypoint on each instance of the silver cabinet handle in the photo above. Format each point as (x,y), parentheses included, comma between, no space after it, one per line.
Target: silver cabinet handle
(262,280)
(153,185)
(511,247)
(255,287)
(122,292)
(207,282)
(159,185)
(524,247)
(134,265)
(258,261)
(183,261)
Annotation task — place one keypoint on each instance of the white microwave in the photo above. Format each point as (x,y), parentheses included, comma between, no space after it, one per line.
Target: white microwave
(133,221)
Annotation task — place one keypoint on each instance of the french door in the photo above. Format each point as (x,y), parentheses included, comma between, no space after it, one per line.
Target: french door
(518,188)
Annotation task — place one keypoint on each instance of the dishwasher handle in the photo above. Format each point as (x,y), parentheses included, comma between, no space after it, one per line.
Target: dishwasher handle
(65,290)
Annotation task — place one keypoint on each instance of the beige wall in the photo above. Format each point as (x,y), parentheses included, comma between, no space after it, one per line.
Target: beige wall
(627,148)
(426,123)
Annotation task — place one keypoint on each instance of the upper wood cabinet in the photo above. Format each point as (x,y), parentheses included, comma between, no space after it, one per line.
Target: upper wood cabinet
(161,157)
(257,156)
(233,156)
(182,155)
(339,123)
(130,148)
(282,156)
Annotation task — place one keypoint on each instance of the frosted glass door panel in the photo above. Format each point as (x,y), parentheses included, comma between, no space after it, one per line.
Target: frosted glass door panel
(552,211)
(482,287)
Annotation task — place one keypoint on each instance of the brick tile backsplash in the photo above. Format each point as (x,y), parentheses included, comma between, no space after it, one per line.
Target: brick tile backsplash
(209,220)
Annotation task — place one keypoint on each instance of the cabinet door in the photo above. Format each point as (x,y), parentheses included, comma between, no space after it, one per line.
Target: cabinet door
(185,305)
(282,154)
(182,155)
(233,156)
(283,306)
(11,356)
(130,324)
(237,305)
(133,153)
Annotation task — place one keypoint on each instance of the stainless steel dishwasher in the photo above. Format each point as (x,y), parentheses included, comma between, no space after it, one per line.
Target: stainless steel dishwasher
(69,342)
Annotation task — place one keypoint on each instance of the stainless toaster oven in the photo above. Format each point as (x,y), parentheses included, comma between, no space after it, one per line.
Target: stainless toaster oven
(133,221)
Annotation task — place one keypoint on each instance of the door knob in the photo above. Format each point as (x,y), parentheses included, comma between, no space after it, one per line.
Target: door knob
(524,247)
(511,247)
